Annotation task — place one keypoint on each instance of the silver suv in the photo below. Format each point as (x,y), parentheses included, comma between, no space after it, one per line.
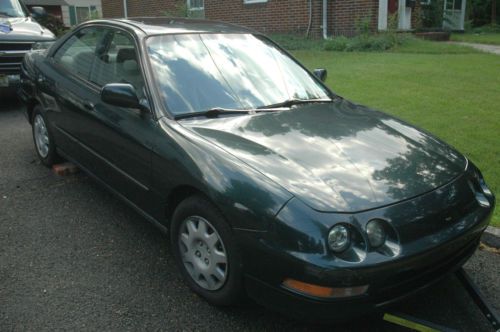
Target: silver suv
(18,33)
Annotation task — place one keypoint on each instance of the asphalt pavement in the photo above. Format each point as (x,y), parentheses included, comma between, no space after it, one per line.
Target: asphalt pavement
(74,257)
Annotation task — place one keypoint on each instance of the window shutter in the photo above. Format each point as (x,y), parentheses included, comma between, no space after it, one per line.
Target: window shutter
(72,15)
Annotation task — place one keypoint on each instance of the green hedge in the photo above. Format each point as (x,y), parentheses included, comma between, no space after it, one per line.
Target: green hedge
(361,43)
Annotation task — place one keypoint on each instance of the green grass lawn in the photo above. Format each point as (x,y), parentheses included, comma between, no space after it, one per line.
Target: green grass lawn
(450,91)
(481,38)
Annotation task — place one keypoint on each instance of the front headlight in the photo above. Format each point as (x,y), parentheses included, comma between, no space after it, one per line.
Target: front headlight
(339,238)
(484,188)
(376,233)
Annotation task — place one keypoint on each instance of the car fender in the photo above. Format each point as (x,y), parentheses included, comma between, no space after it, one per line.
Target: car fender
(247,198)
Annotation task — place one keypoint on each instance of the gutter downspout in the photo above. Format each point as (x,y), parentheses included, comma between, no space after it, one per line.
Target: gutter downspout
(310,19)
(325,19)
(125,11)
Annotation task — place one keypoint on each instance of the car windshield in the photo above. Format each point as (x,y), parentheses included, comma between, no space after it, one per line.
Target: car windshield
(199,72)
(11,8)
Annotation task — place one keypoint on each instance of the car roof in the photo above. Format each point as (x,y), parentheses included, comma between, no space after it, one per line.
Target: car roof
(169,25)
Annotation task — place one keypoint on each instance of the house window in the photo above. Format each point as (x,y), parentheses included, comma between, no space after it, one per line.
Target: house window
(82,14)
(254,1)
(196,4)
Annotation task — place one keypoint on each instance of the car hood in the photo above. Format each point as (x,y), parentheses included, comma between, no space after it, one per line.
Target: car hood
(23,29)
(336,156)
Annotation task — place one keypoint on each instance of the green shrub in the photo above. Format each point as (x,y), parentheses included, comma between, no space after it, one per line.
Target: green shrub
(363,24)
(366,43)
(432,14)
(53,23)
(336,44)
(297,42)
(488,28)
(180,9)
(361,43)
(383,43)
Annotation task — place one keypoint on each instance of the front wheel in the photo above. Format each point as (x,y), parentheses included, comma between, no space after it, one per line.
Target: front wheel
(205,251)
(42,137)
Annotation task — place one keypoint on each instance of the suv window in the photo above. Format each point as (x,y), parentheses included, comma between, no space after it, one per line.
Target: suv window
(12,8)
(118,63)
(77,54)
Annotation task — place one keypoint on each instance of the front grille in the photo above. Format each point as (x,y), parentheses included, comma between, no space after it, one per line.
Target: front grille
(11,56)
(10,65)
(15,46)
(10,59)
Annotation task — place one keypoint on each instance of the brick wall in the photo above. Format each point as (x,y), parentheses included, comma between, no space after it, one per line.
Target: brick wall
(114,8)
(292,16)
(273,16)
(347,16)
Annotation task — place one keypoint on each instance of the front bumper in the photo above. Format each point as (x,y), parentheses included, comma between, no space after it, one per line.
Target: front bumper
(10,82)
(401,279)
(432,246)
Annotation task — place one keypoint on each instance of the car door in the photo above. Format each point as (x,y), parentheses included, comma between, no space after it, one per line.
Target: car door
(63,87)
(118,140)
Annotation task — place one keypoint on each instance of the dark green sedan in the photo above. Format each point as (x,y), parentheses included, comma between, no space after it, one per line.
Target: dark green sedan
(269,184)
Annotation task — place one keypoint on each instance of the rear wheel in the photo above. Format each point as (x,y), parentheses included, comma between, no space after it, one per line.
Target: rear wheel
(205,251)
(42,137)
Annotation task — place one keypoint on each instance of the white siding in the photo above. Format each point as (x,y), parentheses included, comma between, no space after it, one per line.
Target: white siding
(65,15)
(382,14)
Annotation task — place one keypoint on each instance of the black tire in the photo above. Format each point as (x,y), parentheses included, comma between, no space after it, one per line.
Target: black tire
(52,157)
(232,290)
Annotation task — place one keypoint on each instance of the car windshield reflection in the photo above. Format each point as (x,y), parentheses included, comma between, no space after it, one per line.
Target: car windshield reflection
(198,72)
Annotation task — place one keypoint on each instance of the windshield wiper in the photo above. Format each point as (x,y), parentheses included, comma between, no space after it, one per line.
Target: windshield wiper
(212,113)
(293,102)
(216,111)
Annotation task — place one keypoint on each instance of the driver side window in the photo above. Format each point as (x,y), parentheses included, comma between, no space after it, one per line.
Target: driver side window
(77,54)
(118,62)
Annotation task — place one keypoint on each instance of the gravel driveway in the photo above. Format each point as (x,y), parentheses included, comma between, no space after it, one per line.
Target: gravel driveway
(74,257)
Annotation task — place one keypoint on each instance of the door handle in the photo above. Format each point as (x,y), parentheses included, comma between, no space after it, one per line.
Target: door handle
(89,106)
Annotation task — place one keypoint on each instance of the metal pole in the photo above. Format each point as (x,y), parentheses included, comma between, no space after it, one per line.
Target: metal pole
(125,12)
(325,19)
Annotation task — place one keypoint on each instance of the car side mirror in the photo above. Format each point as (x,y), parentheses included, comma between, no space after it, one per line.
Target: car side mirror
(122,95)
(321,73)
(38,12)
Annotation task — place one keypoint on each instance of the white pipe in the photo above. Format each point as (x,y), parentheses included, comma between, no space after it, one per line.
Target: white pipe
(310,18)
(125,11)
(325,19)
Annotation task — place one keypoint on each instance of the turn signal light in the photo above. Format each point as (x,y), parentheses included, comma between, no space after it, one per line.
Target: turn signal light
(324,292)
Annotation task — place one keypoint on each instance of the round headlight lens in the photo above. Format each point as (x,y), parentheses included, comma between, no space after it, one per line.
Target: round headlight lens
(376,233)
(339,238)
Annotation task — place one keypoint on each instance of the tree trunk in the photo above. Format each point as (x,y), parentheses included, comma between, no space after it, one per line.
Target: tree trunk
(493,12)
